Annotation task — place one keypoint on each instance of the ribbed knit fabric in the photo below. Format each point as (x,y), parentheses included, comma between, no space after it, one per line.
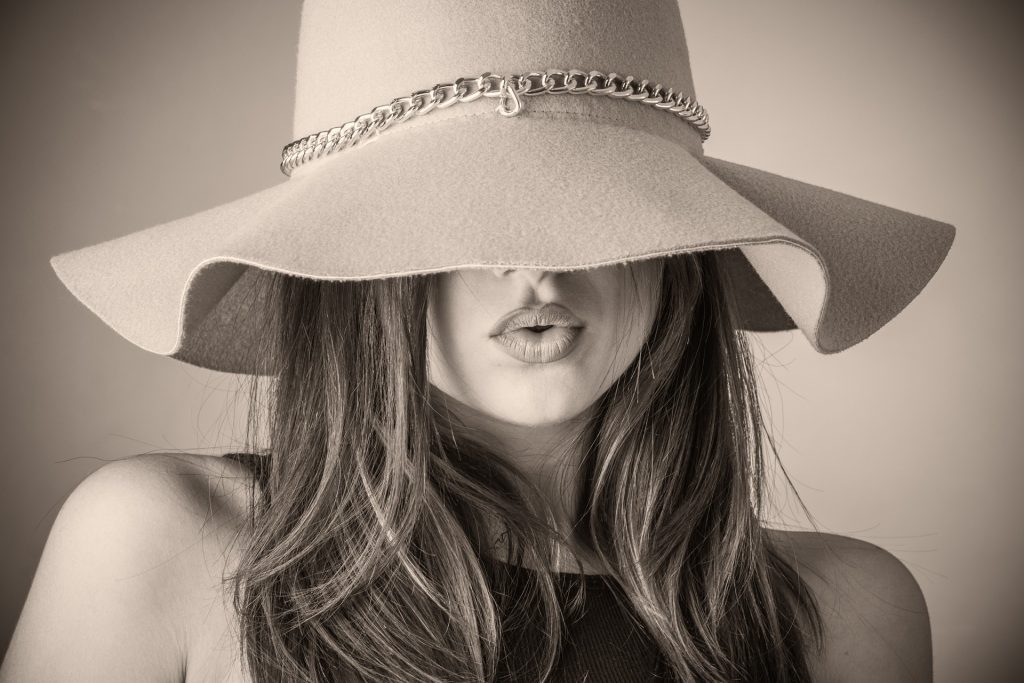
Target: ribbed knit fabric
(604,642)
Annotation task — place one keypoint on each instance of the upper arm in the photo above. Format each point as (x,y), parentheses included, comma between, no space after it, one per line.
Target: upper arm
(105,595)
(875,616)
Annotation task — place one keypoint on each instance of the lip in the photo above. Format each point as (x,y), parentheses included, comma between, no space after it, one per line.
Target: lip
(548,314)
(548,346)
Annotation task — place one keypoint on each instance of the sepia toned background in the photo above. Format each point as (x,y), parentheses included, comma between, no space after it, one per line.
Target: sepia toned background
(119,114)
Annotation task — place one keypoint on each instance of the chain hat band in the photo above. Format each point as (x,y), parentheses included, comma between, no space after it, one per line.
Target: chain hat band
(509,89)
(570,183)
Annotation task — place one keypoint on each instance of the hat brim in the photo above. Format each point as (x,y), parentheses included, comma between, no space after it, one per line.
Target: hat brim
(528,191)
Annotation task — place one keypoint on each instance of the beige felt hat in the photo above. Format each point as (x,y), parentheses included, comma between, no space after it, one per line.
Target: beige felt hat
(556,134)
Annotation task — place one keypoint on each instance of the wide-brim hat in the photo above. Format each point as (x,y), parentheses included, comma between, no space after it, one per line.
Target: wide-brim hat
(555,134)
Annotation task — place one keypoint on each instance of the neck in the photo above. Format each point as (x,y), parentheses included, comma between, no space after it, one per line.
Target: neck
(548,455)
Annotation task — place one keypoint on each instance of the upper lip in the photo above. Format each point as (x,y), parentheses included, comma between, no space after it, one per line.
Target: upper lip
(530,316)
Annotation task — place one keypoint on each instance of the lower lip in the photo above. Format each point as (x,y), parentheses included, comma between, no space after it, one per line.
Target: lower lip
(552,344)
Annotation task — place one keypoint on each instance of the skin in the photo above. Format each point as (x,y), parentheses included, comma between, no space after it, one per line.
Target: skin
(470,367)
(531,410)
(129,584)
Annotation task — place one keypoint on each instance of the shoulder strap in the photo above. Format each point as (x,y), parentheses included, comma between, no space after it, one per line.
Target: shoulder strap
(256,462)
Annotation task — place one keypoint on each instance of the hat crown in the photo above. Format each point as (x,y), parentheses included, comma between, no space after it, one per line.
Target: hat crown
(355,55)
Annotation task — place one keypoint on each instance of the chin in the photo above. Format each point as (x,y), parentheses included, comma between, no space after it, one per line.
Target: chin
(533,403)
(537,406)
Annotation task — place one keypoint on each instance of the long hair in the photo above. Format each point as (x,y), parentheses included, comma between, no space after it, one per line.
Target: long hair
(366,547)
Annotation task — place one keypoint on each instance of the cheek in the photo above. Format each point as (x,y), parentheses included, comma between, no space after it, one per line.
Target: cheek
(442,350)
(632,308)
(617,346)
(645,299)
(453,337)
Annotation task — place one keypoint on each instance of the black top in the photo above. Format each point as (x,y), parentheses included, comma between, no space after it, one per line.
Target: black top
(604,641)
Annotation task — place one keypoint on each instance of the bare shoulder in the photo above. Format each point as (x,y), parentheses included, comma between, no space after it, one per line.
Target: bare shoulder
(173,499)
(874,613)
(136,546)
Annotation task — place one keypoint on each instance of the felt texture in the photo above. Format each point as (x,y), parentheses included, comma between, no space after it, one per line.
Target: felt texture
(575,181)
(354,55)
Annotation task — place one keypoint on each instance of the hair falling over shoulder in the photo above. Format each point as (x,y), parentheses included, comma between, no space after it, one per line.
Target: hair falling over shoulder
(366,550)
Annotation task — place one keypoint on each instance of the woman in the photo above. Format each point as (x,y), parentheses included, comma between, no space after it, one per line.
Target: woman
(525,446)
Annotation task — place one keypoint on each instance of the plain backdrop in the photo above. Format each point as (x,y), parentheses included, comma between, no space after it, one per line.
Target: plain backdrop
(120,114)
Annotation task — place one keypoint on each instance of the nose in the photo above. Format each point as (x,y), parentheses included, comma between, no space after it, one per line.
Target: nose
(533,275)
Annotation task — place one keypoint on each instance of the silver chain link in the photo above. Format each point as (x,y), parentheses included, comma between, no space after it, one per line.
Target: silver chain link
(509,89)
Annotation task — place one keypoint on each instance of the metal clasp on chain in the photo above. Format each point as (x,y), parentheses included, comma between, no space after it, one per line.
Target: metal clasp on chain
(506,93)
